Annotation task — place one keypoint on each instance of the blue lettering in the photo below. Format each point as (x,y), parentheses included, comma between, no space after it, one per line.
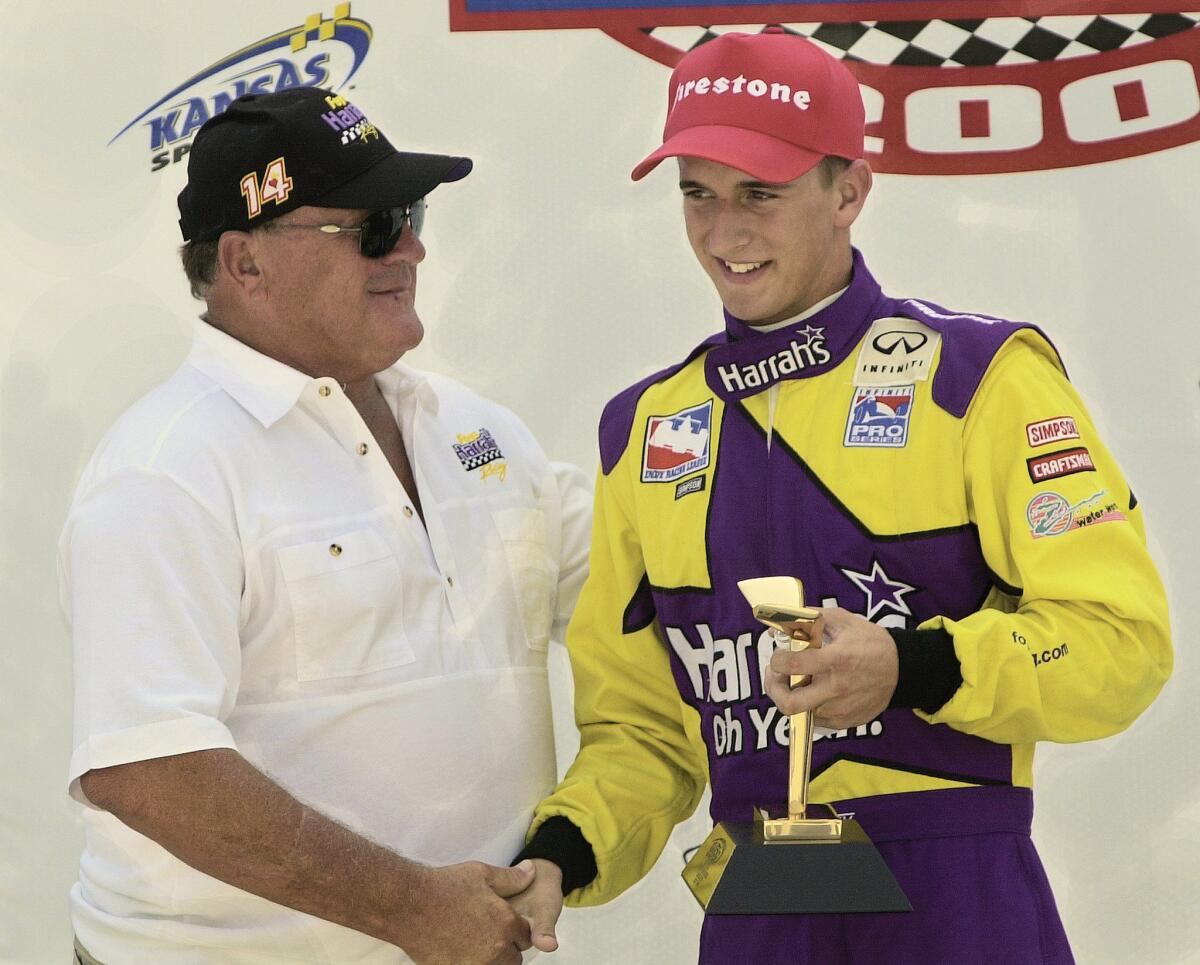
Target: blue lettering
(318,74)
(197,114)
(288,76)
(162,130)
(220,102)
(261,85)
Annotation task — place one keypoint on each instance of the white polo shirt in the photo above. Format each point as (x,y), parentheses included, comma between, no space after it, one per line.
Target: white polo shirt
(242,568)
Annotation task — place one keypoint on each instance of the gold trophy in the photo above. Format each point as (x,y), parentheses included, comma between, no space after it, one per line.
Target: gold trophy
(809,859)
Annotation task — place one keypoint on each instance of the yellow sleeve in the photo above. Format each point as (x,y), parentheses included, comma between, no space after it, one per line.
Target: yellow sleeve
(1081,645)
(641,767)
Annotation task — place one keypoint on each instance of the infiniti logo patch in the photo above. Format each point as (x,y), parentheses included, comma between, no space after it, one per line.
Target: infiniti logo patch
(889,342)
(896,351)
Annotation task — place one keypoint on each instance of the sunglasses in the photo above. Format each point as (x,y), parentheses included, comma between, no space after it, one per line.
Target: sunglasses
(378,234)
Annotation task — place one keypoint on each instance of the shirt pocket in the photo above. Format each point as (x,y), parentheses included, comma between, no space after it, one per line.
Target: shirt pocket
(347,606)
(534,575)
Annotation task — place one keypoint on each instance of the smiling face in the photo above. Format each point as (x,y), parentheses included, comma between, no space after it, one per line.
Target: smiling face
(771,250)
(321,306)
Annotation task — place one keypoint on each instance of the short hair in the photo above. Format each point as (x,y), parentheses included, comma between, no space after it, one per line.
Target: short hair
(200,262)
(830,167)
(200,265)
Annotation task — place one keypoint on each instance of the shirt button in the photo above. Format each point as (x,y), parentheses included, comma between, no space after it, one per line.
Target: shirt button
(363,449)
(335,550)
(408,512)
(450,581)
(324,391)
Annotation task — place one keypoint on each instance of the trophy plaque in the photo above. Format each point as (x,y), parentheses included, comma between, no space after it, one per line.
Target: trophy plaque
(804,859)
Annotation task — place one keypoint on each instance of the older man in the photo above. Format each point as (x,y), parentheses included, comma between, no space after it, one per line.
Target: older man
(932,471)
(311,590)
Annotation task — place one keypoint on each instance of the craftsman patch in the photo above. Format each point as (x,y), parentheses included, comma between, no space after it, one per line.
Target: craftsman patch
(879,417)
(1047,431)
(678,444)
(895,351)
(1064,462)
(1049,514)
(475,449)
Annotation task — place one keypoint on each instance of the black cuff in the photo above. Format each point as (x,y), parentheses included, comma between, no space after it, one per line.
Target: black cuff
(558,840)
(929,669)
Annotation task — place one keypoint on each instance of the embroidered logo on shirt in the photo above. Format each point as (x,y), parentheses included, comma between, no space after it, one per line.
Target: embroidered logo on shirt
(1051,430)
(275,185)
(805,350)
(1050,514)
(677,444)
(693,485)
(477,449)
(880,589)
(1064,462)
(879,417)
(895,350)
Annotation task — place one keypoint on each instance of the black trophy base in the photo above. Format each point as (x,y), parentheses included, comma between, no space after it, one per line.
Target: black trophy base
(736,873)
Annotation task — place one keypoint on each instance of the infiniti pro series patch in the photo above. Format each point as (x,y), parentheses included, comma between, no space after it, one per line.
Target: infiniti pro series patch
(879,417)
(677,444)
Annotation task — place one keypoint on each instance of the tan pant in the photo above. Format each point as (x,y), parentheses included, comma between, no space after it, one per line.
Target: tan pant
(82,957)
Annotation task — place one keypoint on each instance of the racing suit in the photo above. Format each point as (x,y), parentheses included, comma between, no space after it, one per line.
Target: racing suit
(933,471)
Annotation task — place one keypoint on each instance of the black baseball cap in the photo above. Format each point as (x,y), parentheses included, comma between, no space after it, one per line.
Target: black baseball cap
(267,154)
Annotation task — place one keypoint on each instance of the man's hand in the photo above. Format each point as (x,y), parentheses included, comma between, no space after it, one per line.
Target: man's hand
(854,673)
(458,915)
(541,904)
(216,812)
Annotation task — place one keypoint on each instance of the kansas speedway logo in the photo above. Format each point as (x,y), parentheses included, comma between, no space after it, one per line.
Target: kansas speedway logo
(316,53)
(1021,88)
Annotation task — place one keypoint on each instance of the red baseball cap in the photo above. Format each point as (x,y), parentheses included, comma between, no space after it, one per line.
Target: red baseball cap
(770,104)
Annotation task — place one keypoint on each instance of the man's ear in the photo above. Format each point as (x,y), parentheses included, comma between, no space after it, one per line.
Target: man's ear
(852,187)
(238,258)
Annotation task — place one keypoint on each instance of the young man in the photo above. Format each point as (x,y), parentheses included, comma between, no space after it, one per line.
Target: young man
(311,590)
(936,484)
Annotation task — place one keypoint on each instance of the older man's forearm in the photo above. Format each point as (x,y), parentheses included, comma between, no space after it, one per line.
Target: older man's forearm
(217,813)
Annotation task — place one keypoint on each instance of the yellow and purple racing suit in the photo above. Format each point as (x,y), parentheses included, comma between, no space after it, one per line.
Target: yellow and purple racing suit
(932,470)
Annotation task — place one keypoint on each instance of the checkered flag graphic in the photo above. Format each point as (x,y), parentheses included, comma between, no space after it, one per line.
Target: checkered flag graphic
(478,451)
(963,43)
(474,462)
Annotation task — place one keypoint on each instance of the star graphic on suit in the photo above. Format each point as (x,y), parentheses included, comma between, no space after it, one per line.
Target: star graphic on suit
(880,589)
(812,334)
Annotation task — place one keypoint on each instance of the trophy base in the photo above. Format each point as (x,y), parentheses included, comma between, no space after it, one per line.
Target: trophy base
(740,871)
(820,823)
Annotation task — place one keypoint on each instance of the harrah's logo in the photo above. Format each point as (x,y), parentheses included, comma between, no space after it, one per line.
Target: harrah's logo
(756,87)
(316,53)
(798,356)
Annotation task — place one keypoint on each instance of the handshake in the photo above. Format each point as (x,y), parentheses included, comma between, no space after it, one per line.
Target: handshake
(477,914)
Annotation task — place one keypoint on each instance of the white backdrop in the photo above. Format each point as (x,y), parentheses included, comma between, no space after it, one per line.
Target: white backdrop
(552,281)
